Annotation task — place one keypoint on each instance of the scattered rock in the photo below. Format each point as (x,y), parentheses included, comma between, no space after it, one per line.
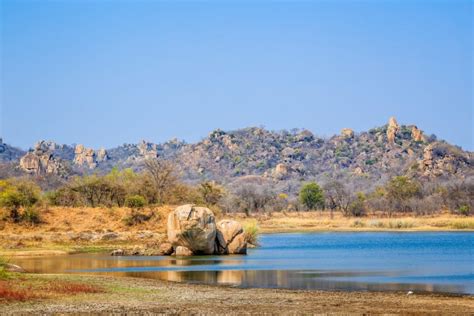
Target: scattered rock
(183,251)
(117,252)
(165,249)
(110,236)
(10,267)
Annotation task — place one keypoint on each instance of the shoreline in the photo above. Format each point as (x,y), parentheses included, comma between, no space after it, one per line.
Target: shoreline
(139,295)
(83,248)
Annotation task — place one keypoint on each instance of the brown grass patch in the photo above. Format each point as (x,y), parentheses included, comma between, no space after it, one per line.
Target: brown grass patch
(70,288)
(8,292)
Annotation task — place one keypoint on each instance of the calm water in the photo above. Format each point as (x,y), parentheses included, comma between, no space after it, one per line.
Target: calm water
(432,262)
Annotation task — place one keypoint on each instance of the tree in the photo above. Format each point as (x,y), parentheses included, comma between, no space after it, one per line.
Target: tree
(211,192)
(337,197)
(17,194)
(311,195)
(400,190)
(163,176)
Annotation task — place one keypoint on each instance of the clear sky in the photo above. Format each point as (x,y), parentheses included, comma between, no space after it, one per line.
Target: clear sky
(103,73)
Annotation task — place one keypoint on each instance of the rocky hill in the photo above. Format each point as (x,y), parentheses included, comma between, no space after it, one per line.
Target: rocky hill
(283,158)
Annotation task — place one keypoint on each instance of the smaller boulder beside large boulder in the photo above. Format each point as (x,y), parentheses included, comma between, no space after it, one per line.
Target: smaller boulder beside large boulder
(230,238)
(192,230)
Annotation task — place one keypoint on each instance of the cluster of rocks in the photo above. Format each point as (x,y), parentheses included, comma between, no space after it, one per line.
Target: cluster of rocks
(441,159)
(193,230)
(147,150)
(41,160)
(88,157)
(282,158)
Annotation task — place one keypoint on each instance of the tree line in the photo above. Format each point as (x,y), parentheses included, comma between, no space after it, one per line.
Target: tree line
(159,184)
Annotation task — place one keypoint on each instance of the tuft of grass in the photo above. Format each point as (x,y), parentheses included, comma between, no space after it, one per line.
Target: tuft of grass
(71,288)
(358,223)
(251,232)
(400,224)
(9,293)
(463,223)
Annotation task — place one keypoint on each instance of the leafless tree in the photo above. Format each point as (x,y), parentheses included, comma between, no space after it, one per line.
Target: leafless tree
(337,197)
(163,175)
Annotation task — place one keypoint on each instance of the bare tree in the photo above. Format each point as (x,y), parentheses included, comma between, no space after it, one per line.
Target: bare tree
(163,175)
(337,197)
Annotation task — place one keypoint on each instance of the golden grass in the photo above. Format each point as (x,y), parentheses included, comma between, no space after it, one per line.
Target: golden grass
(317,221)
(53,235)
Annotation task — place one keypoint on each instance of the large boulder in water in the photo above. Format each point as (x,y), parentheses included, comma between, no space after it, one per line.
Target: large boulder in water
(193,228)
(230,238)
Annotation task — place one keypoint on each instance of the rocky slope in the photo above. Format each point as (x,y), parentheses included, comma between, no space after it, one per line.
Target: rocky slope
(282,158)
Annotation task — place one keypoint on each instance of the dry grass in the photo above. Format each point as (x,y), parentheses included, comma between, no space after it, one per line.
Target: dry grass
(53,236)
(19,288)
(317,221)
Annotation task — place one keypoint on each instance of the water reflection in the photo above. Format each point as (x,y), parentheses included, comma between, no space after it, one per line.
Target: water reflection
(379,262)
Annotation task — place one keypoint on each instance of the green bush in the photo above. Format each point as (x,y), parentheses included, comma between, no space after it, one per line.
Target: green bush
(135,201)
(311,195)
(464,210)
(251,233)
(31,216)
(17,194)
(136,218)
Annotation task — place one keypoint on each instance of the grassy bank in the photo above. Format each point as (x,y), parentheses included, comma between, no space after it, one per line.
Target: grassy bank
(40,294)
(71,230)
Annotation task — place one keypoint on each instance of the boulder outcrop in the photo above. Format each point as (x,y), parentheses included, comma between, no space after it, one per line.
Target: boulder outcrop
(41,160)
(192,227)
(230,238)
(280,171)
(347,133)
(392,130)
(147,150)
(192,230)
(417,134)
(85,157)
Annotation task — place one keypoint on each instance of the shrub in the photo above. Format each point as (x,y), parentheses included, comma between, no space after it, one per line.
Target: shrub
(136,218)
(357,208)
(464,210)
(3,273)
(211,192)
(311,195)
(251,232)
(31,216)
(16,194)
(135,201)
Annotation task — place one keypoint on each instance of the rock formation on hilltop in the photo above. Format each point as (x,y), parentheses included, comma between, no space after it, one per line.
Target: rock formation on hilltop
(280,158)
(392,130)
(41,160)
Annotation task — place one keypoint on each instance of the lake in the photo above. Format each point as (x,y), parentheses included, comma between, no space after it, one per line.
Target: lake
(363,261)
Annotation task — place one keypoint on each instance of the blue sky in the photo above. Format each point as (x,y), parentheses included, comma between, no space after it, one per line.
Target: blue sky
(103,73)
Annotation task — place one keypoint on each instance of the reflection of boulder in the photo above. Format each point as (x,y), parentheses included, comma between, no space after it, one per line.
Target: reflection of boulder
(192,227)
